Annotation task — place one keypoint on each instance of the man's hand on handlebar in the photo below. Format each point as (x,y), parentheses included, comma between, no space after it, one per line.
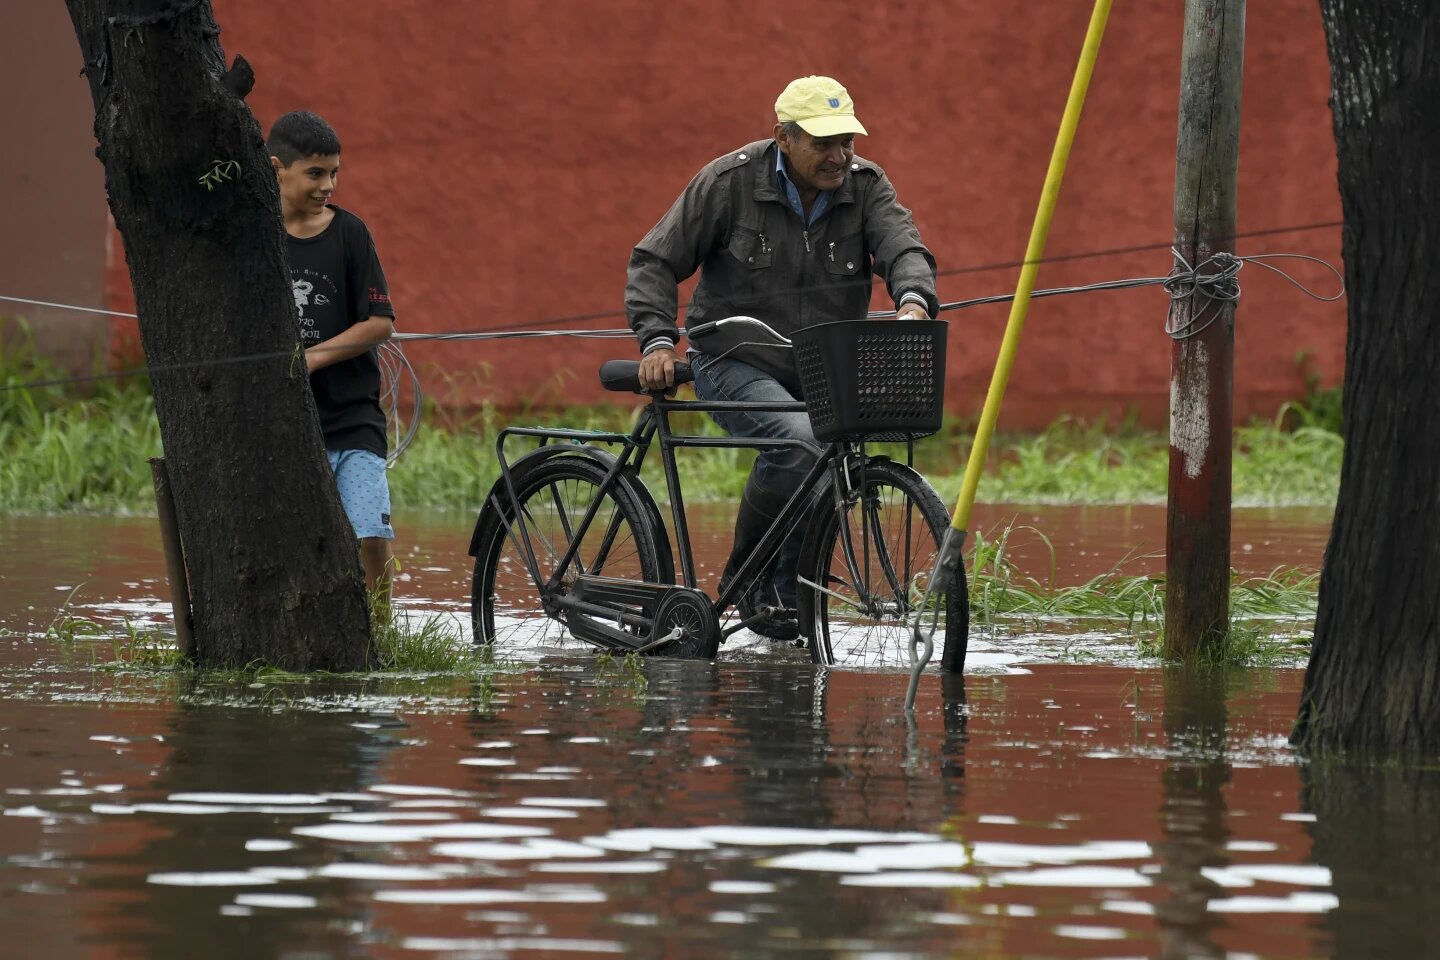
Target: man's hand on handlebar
(912,311)
(657,369)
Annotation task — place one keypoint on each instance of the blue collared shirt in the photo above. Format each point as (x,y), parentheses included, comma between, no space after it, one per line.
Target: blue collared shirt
(793,195)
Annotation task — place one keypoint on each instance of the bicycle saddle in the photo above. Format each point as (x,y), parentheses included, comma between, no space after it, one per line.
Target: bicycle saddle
(623,376)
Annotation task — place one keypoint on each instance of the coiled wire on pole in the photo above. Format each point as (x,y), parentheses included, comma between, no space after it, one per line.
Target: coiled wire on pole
(396,374)
(1215,281)
(1206,288)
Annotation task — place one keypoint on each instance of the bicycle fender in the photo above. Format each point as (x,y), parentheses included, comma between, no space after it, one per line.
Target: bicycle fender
(499,493)
(629,477)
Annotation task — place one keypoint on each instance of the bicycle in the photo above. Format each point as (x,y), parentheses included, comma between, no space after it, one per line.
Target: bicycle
(573,524)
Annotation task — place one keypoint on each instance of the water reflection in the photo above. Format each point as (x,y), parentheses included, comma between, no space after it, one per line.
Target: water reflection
(1376,828)
(753,807)
(750,808)
(214,881)
(1192,812)
(955,713)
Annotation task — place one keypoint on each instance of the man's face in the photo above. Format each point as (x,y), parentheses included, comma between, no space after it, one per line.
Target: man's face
(306,184)
(816,163)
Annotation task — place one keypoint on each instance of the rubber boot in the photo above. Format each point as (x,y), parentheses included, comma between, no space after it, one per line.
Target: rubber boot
(758,509)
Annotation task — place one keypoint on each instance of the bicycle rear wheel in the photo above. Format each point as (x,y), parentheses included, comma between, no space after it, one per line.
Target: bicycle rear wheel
(553,496)
(873,558)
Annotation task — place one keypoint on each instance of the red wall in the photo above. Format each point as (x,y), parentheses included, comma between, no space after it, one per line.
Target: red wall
(52,201)
(507,155)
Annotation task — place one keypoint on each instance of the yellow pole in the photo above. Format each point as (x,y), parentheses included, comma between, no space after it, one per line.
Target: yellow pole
(922,642)
(1033,254)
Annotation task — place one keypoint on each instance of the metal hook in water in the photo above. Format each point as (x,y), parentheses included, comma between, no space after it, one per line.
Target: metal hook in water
(919,637)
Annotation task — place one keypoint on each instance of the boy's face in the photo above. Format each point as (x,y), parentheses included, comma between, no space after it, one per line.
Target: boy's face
(306,184)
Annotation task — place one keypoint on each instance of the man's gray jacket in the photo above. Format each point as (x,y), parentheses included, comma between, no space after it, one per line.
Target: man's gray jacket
(756,258)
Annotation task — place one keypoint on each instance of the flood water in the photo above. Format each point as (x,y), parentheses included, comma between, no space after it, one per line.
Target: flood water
(757,806)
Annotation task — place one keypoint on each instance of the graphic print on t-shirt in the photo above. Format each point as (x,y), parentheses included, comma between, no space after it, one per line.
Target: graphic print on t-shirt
(331,276)
(314,291)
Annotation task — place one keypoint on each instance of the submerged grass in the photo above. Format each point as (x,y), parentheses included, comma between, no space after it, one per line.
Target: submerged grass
(430,645)
(1272,617)
(402,643)
(1271,621)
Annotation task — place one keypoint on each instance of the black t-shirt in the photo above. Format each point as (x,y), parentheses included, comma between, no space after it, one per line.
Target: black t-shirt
(337,282)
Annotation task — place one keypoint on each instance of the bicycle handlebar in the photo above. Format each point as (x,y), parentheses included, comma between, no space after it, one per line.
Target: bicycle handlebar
(624,375)
(713,326)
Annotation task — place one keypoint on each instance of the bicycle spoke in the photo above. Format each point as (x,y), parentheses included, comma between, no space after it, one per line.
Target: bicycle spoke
(564,516)
(554,499)
(882,555)
(871,577)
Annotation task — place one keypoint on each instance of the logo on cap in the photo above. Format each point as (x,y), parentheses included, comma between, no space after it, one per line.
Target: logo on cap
(833,101)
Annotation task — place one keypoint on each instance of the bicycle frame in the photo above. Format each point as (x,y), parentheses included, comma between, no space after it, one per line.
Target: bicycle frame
(654,424)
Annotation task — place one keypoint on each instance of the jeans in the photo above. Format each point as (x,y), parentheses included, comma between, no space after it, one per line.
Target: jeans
(777,472)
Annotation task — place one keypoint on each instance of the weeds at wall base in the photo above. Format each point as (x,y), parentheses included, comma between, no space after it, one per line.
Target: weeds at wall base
(87,452)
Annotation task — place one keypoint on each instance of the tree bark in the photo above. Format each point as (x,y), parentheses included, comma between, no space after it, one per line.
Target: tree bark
(275,573)
(1374,677)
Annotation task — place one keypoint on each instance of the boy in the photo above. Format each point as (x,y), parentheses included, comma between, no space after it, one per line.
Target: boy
(344,311)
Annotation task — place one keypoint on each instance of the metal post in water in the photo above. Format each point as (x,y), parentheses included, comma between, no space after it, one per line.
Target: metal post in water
(1202,358)
(174,559)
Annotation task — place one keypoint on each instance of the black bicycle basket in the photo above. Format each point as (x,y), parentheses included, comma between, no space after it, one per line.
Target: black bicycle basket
(873,379)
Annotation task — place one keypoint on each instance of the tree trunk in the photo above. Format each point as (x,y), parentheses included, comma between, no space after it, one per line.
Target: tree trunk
(1374,676)
(275,573)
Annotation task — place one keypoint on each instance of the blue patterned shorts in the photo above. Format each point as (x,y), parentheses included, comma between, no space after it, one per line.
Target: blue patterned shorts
(364,491)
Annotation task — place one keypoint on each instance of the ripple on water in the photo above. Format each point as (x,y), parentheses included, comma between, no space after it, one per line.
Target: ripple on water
(462,897)
(1103,878)
(381,833)
(532,849)
(276,901)
(218,878)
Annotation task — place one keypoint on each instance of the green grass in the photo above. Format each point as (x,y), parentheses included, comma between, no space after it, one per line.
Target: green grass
(90,455)
(451,464)
(1271,617)
(432,645)
(1073,463)
(131,647)
(403,643)
(71,450)
(67,450)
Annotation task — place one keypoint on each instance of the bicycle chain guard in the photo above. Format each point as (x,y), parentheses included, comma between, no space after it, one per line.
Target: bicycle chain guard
(685,625)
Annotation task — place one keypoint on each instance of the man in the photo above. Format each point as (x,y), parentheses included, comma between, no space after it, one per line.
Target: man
(788,230)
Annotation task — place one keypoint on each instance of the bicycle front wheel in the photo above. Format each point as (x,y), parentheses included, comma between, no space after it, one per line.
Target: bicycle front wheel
(870,560)
(552,497)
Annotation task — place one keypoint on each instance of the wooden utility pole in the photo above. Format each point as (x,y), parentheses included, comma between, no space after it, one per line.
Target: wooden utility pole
(1202,359)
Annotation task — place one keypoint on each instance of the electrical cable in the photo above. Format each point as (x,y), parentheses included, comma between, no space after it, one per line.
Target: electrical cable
(954,271)
(1214,280)
(1181,283)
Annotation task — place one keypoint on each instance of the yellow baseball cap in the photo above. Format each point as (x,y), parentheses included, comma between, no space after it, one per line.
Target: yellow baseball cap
(820,105)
